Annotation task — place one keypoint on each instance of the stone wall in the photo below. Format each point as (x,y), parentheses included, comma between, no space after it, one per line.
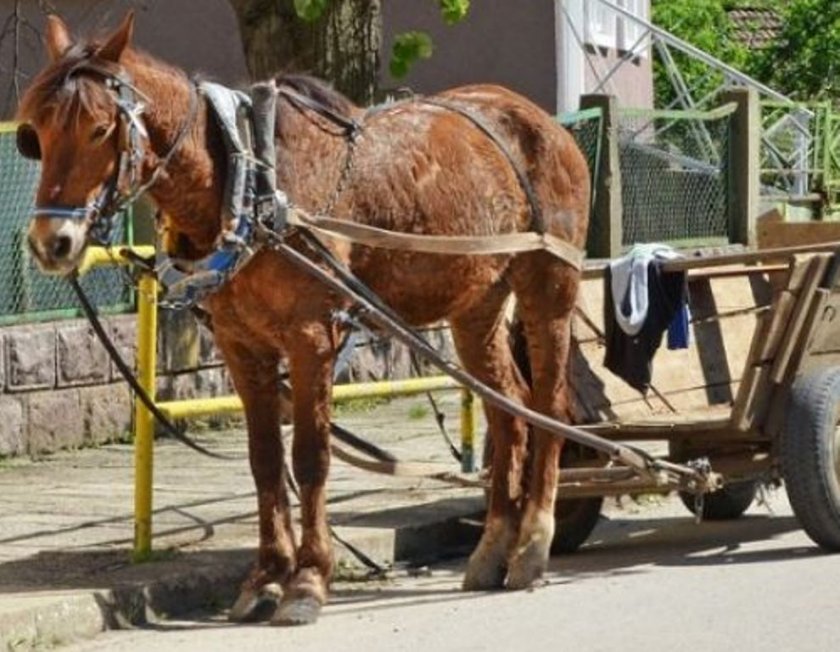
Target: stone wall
(59,389)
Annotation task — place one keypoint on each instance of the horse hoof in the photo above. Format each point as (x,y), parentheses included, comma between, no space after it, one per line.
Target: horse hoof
(485,572)
(297,611)
(487,578)
(252,604)
(527,566)
(488,563)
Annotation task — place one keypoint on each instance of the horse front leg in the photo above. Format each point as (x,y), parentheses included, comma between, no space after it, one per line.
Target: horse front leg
(311,360)
(254,374)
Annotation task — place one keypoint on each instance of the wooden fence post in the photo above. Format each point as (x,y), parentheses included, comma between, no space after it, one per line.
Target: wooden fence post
(605,228)
(744,164)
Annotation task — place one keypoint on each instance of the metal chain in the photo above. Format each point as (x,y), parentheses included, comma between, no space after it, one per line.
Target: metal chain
(343,176)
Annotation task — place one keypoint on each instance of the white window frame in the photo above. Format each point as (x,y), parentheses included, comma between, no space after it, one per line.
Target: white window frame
(629,32)
(601,25)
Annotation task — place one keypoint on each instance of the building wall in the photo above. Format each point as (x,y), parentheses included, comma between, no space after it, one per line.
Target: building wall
(505,43)
(593,41)
(632,84)
(202,37)
(498,42)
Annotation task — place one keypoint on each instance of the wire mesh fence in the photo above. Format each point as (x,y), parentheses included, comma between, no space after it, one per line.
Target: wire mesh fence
(675,175)
(585,127)
(25,294)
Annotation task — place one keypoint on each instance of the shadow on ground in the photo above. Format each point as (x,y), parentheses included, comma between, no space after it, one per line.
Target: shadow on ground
(618,547)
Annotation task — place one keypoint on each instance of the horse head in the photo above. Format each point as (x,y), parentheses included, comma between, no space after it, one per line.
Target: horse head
(81,119)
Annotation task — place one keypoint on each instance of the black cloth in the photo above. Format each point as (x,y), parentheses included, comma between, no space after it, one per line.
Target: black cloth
(630,357)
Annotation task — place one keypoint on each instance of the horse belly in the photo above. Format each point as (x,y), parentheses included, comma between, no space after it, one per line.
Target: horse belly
(425,288)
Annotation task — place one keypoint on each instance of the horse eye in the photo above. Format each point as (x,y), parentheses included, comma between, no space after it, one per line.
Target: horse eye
(27,142)
(100,132)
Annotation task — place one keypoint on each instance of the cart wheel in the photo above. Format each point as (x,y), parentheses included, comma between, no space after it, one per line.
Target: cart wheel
(575,518)
(726,504)
(810,455)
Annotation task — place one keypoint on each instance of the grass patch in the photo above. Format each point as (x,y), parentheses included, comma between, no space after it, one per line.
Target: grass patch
(418,411)
(360,405)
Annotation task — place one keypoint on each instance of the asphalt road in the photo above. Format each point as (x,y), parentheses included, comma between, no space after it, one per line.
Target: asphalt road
(649,579)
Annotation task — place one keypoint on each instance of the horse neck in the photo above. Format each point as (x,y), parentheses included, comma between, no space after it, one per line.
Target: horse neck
(189,189)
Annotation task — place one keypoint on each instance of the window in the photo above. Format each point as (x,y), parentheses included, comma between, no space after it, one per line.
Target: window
(601,22)
(629,31)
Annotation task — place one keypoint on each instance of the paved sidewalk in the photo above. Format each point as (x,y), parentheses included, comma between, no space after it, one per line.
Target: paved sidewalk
(66,526)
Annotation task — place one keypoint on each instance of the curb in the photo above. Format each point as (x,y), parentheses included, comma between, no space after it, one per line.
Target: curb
(209,579)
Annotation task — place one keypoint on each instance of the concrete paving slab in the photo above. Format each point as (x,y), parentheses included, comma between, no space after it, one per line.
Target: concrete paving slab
(66,526)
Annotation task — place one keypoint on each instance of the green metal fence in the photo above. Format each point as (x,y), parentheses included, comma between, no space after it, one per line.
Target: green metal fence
(675,175)
(26,295)
(800,154)
(585,126)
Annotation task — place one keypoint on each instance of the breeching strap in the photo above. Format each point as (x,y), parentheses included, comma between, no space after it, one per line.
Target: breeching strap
(371,236)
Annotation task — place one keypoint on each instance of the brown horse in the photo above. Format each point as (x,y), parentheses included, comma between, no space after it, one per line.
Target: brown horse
(416,167)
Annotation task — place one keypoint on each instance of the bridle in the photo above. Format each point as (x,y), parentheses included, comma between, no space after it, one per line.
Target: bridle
(125,185)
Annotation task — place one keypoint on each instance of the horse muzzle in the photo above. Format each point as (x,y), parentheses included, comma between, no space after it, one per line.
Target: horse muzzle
(57,243)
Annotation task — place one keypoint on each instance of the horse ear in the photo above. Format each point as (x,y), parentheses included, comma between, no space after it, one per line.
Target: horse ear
(116,44)
(57,37)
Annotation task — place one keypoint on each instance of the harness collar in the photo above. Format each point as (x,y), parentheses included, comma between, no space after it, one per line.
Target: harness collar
(248,199)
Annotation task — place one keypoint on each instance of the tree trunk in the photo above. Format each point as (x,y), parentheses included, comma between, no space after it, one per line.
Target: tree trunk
(342,46)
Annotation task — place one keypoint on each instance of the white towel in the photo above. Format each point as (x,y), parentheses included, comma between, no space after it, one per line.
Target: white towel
(630,283)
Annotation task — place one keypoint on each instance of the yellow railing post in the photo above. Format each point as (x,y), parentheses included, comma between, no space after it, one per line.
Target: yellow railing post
(468,428)
(144,426)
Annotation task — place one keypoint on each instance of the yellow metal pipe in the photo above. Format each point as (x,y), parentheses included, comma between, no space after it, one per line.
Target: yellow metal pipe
(202,407)
(469,423)
(393,388)
(101,256)
(144,426)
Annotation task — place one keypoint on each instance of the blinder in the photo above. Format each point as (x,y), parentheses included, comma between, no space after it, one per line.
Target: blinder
(27,142)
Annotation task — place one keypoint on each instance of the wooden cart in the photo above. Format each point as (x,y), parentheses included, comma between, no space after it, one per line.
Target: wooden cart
(755,396)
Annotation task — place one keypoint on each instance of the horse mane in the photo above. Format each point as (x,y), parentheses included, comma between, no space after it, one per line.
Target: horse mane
(67,96)
(316,89)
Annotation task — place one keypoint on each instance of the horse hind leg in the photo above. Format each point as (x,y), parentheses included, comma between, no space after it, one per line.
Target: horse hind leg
(546,290)
(481,339)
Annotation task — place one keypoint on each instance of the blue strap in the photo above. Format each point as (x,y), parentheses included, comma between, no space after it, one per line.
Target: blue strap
(63,212)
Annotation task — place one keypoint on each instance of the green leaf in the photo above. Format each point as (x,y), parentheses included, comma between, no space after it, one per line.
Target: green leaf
(409,47)
(453,11)
(310,10)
